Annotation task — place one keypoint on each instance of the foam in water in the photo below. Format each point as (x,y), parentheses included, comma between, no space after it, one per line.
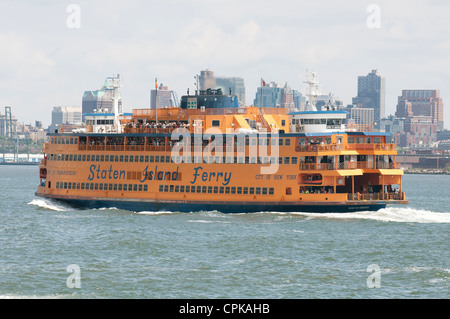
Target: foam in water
(48,205)
(389,214)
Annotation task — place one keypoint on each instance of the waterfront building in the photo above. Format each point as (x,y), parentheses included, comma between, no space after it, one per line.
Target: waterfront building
(425,103)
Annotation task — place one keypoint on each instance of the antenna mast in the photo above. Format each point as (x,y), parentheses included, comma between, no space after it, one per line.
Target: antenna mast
(313,90)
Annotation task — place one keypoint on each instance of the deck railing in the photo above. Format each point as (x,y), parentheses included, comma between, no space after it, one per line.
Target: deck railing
(376,196)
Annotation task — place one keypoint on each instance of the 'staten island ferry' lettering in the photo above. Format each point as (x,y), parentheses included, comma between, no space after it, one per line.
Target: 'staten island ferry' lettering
(211,154)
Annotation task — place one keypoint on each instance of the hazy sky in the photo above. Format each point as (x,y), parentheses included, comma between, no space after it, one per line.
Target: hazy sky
(47,59)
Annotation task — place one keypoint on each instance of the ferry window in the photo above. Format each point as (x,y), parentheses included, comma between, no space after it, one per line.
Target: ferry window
(146,158)
(182,189)
(156,159)
(241,160)
(280,160)
(121,158)
(239,190)
(221,189)
(102,158)
(75,141)
(57,185)
(145,188)
(251,190)
(245,190)
(193,189)
(247,160)
(199,189)
(216,189)
(125,187)
(135,187)
(327,140)
(377,140)
(316,121)
(368,140)
(253,141)
(233,190)
(136,158)
(100,186)
(70,157)
(115,187)
(264,191)
(69,185)
(78,185)
(351,139)
(110,187)
(283,122)
(227,190)
(286,160)
(253,160)
(209,189)
(294,160)
(79,158)
(215,123)
(287,142)
(161,188)
(203,189)
(271,191)
(166,188)
(167,159)
(97,157)
(280,142)
(106,158)
(126,158)
(120,187)
(188,188)
(131,158)
(141,159)
(96,186)
(177,189)
(288,191)
(258,191)
(359,140)
(152,158)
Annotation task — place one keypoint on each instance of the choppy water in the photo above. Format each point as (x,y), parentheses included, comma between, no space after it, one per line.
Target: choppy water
(397,252)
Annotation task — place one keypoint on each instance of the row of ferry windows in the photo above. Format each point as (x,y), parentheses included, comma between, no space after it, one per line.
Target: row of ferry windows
(217,189)
(168,188)
(168,159)
(102,186)
(248,141)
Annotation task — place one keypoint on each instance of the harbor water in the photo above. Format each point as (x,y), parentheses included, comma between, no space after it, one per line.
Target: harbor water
(49,250)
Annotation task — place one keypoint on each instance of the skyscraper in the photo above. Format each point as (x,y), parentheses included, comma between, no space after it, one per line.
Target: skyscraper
(371,94)
(268,95)
(65,115)
(160,97)
(233,84)
(207,80)
(99,99)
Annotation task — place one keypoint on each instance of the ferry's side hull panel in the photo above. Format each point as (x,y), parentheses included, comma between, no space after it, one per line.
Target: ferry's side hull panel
(224,207)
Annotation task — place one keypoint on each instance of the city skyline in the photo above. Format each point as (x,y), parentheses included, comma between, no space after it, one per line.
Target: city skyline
(47,61)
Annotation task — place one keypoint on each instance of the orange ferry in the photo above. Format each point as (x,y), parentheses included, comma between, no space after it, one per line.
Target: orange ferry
(222,157)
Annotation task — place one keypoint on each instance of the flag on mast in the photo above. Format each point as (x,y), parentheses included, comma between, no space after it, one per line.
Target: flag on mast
(263,83)
(156,83)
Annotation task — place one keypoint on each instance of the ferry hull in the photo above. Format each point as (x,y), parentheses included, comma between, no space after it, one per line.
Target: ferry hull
(223,207)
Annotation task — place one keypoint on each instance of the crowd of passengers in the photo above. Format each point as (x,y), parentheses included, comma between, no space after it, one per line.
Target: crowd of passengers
(157,125)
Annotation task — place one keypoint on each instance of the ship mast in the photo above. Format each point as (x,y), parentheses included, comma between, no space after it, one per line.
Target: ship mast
(313,90)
